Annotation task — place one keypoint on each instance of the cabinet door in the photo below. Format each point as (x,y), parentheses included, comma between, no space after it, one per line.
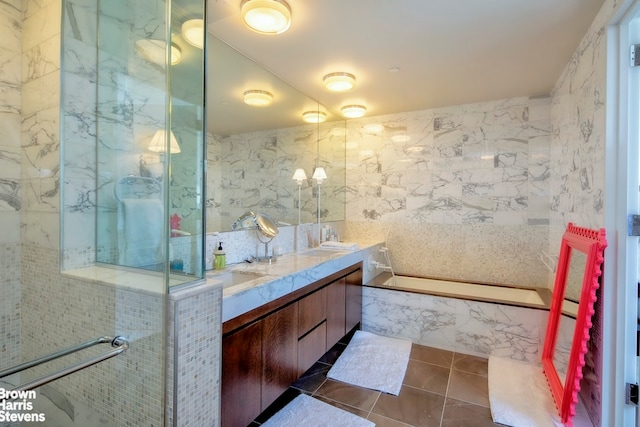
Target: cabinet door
(241,376)
(311,347)
(336,312)
(313,311)
(280,352)
(353,299)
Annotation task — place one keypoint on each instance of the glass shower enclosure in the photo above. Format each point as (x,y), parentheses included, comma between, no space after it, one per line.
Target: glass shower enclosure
(130,176)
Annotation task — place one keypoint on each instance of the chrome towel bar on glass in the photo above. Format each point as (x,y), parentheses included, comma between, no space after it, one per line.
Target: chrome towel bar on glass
(119,344)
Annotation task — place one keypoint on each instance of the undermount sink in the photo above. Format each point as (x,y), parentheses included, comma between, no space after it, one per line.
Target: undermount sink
(232,278)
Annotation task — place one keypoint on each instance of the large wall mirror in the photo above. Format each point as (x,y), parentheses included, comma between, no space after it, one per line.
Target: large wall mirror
(253,151)
(574,294)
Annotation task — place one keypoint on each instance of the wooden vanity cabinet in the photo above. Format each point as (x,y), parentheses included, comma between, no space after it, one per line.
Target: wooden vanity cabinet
(266,350)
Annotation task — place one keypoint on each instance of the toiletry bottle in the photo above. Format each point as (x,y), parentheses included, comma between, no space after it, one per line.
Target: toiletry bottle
(220,259)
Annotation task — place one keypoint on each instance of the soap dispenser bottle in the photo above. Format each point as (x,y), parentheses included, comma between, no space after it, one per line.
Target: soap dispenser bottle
(219,258)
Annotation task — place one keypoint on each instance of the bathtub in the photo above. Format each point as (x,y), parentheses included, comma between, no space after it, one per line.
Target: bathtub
(472,291)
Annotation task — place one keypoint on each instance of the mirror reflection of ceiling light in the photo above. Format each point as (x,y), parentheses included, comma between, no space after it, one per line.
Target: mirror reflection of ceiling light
(158,143)
(353,111)
(373,127)
(266,16)
(258,98)
(400,138)
(153,50)
(193,32)
(314,116)
(339,82)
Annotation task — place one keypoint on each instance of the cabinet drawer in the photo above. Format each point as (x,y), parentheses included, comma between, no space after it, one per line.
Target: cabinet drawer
(312,311)
(312,347)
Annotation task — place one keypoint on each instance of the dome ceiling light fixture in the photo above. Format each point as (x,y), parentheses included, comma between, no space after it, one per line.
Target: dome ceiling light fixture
(266,16)
(353,111)
(339,82)
(153,50)
(314,116)
(258,98)
(193,32)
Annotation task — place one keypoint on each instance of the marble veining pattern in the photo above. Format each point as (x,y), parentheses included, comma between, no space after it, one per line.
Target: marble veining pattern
(465,326)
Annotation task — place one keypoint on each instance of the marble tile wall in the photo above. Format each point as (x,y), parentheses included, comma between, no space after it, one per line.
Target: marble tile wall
(10,200)
(577,172)
(253,171)
(460,192)
(464,326)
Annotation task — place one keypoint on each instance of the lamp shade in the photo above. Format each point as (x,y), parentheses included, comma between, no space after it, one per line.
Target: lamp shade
(158,143)
(258,98)
(314,116)
(299,176)
(266,16)
(319,175)
(339,82)
(193,32)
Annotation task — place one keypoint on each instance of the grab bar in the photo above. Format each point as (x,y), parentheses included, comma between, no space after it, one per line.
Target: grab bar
(119,344)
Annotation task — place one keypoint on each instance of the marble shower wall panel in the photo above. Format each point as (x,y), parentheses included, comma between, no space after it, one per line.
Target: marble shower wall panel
(40,163)
(78,117)
(460,325)
(10,176)
(457,186)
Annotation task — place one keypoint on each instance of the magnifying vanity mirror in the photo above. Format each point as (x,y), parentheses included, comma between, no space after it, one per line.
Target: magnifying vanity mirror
(253,152)
(574,294)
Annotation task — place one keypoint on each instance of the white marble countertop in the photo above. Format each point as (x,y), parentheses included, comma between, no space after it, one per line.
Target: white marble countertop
(289,273)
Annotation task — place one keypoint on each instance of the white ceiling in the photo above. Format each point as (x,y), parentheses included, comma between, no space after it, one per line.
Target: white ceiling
(448,52)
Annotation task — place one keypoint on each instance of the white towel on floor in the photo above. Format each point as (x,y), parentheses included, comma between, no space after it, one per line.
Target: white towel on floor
(140,232)
(309,412)
(519,396)
(373,361)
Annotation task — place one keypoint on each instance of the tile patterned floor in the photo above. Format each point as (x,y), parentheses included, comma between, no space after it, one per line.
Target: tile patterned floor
(440,389)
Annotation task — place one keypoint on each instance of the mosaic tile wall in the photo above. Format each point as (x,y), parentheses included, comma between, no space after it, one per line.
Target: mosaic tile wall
(193,384)
(463,192)
(10,201)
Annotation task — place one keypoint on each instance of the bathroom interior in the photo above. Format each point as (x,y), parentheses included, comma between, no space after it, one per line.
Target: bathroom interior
(123,167)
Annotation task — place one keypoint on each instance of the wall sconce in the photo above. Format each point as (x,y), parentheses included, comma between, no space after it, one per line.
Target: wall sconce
(353,111)
(153,50)
(339,82)
(158,142)
(258,98)
(299,176)
(319,175)
(266,16)
(193,32)
(314,116)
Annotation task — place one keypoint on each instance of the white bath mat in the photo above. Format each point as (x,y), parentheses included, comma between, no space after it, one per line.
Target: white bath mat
(374,362)
(519,396)
(309,412)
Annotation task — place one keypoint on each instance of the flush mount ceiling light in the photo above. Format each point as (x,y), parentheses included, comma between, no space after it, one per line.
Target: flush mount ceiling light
(153,50)
(193,32)
(353,111)
(314,116)
(258,98)
(266,16)
(339,82)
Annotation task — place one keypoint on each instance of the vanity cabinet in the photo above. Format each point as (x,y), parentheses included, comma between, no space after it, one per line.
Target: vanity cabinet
(265,350)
